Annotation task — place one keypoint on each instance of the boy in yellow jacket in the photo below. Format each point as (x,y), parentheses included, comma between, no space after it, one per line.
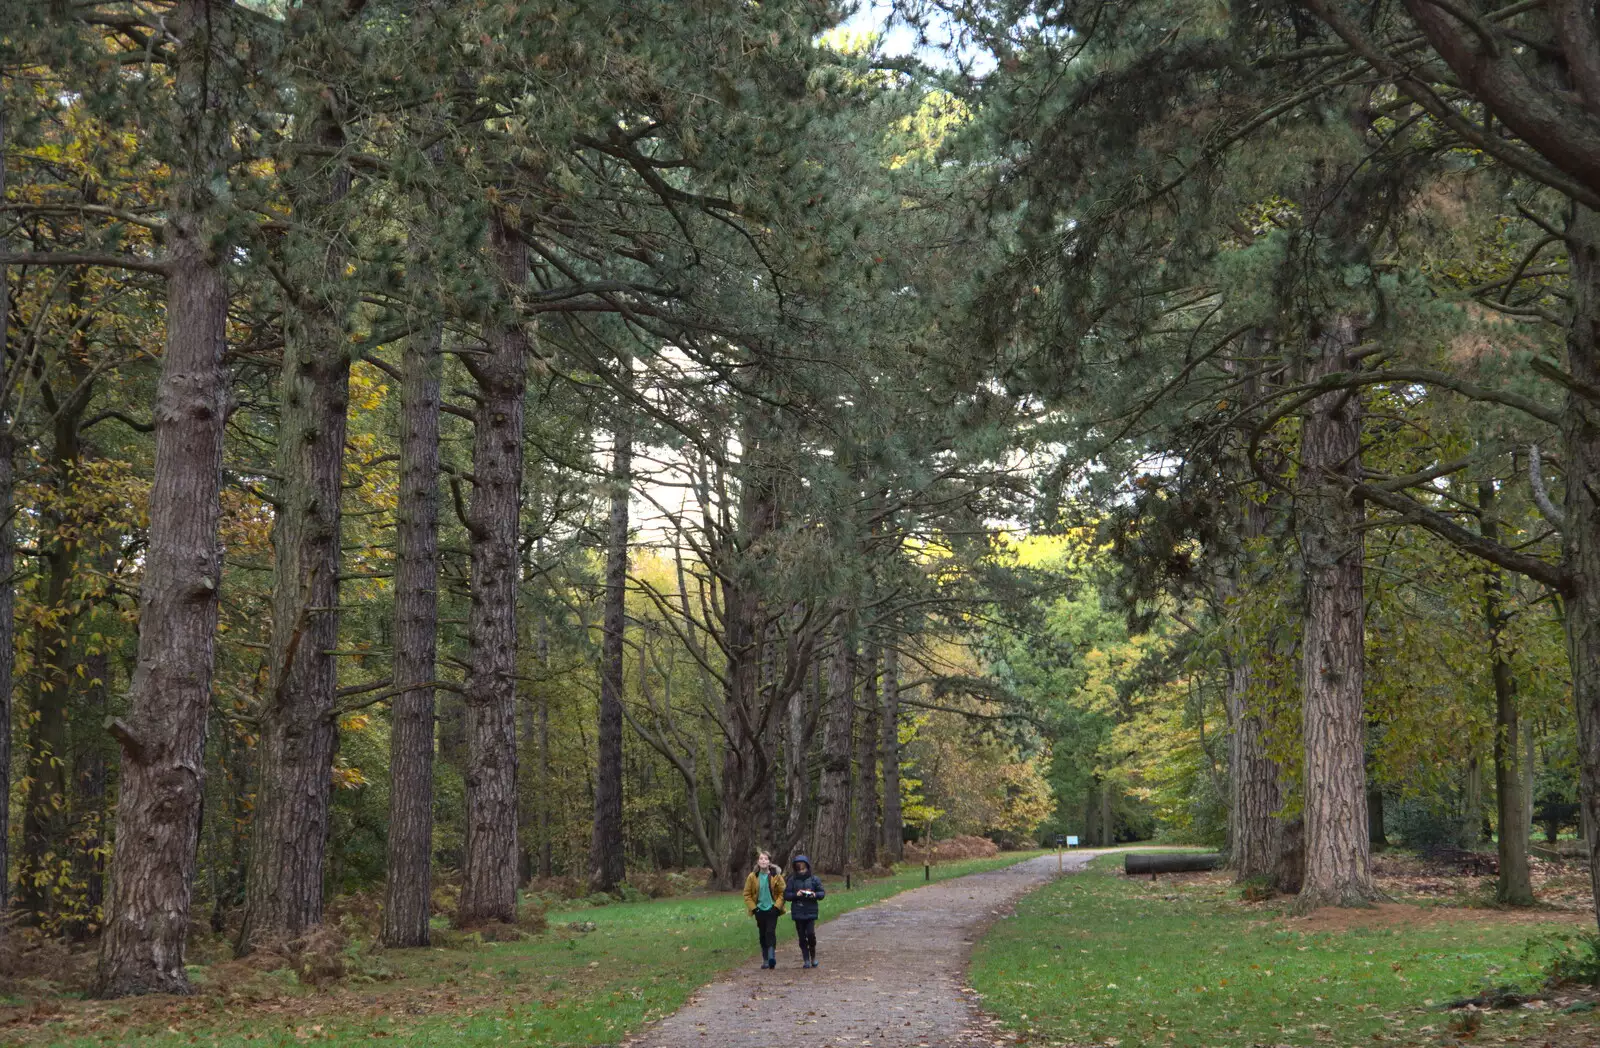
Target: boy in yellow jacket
(763,898)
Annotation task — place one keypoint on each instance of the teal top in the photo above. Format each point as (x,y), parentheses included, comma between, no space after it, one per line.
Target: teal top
(764,900)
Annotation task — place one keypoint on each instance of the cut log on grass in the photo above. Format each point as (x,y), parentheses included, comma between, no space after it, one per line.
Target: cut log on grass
(1182,862)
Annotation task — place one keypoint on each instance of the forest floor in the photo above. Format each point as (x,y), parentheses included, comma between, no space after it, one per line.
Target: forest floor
(1103,959)
(1092,959)
(596,975)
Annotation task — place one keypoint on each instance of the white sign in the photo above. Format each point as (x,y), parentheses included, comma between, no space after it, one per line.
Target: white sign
(1072,842)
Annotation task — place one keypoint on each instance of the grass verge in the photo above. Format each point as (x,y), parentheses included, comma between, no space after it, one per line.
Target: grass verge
(1102,959)
(568,987)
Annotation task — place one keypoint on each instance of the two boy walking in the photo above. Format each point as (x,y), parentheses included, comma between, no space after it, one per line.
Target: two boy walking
(766,891)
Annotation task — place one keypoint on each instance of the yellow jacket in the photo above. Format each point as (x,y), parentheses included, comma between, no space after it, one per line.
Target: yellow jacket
(752,891)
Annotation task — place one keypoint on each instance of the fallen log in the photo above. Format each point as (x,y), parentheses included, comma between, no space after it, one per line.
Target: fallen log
(1170,862)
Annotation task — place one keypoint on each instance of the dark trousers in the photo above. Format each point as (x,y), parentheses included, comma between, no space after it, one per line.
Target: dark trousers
(806,931)
(767,928)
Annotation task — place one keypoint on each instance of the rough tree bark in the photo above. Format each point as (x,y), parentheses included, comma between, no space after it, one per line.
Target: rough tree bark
(797,780)
(893,822)
(1255,831)
(1258,832)
(489,888)
(1580,431)
(408,886)
(1255,776)
(833,791)
(163,739)
(766,810)
(867,828)
(746,761)
(607,863)
(8,551)
(1338,866)
(299,732)
(748,709)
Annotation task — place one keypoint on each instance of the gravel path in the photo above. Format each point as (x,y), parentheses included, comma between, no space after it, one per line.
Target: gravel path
(892,975)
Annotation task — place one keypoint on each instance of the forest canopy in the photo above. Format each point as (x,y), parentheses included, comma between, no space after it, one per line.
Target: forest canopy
(448,448)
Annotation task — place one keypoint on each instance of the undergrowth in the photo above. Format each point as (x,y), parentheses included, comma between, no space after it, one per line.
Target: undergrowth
(595,974)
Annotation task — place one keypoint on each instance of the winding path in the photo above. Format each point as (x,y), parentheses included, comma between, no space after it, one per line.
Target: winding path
(892,975)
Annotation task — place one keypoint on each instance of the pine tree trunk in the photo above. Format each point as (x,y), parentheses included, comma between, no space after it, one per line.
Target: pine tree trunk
(1255,831)
(738,822)
(747,755)
(1254,776)
(8,621)
(607,863)
(797,781)
(163,740)
(766,813)
(8,549)
(489,889)
(1580,430)
(1338,864)
(408,886)
(833,792)
(747,759)
(1256,796)
(299,733)
(893,822)
(868,830)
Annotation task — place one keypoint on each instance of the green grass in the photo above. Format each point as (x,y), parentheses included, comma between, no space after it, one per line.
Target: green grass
(1099,959)
(643,960)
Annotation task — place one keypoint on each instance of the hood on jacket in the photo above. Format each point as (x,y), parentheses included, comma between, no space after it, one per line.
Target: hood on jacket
(799,861)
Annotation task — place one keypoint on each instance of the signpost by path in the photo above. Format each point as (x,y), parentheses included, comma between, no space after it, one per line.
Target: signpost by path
(927,850)
(1060,840)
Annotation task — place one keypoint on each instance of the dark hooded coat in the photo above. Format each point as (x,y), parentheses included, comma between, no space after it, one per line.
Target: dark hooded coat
(803,908)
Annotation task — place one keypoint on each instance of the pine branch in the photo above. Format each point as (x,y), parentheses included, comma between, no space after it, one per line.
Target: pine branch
(1410,511)
(84,258)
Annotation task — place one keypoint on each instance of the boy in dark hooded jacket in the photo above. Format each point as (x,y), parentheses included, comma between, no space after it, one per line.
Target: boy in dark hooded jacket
(803,891)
